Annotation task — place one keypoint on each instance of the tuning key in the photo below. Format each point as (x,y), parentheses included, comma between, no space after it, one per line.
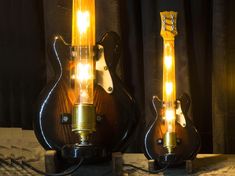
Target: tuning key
(164,17)
(164,22)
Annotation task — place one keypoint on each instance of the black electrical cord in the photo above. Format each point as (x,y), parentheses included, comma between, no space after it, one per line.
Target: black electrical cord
(24,164)
(67,172)
(148,171)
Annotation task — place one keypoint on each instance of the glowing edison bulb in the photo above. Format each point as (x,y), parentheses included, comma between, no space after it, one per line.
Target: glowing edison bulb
(83,66)
(83,21)
(83,41)
(84,77)
(168,61)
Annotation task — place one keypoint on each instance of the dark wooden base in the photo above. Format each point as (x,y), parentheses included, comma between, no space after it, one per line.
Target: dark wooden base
(52,164)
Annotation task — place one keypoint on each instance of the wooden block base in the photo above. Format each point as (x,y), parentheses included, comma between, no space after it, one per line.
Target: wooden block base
(51,161)
(151,165)
(189,166)
(117,164)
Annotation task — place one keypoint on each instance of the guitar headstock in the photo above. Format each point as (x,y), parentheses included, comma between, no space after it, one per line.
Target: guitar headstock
(168,21)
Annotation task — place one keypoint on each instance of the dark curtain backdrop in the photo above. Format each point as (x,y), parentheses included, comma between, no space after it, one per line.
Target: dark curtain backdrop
(22,60)
(205,61)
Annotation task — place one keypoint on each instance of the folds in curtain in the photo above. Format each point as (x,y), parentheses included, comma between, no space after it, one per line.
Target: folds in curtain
(22,64)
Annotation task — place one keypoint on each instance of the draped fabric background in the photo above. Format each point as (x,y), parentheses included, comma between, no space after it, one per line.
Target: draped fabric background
(22,61)
(205,62)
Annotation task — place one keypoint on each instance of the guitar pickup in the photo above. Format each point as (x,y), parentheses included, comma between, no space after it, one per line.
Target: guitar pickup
(66,119)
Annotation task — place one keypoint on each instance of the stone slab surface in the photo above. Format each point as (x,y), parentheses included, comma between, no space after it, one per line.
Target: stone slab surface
(22,145)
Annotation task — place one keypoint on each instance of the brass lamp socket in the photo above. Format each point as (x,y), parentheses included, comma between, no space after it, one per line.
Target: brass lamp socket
(84,121)
(169,141)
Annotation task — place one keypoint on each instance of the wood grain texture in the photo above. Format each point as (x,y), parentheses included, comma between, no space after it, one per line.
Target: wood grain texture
(117,109)
(189,138)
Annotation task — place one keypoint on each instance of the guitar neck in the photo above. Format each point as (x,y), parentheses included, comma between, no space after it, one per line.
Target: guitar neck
(168,33)
(169,83)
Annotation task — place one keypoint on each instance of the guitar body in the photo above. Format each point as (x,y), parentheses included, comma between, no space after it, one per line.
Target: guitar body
(115,112)
(188,139)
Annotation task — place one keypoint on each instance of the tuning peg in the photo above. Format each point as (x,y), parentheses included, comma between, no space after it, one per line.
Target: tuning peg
(163,27)
(163,22)
(164,19)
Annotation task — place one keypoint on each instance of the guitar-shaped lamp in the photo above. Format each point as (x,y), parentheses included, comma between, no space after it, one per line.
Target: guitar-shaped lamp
(85,109)
(171,138)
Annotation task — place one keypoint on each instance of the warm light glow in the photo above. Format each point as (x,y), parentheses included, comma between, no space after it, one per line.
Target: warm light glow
(83,79)
(169,92)
(168,62)
(84,72)
(83,41)
(169,115)
(170,120)
(170,127)
(84,94)
(169,88)
(169,85)
(83,21)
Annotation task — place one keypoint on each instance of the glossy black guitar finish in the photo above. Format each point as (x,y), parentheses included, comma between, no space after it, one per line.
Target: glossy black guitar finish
(188,139)
(115,112)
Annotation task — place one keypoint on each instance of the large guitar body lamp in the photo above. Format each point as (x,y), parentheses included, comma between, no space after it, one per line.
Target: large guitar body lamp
(85,110)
